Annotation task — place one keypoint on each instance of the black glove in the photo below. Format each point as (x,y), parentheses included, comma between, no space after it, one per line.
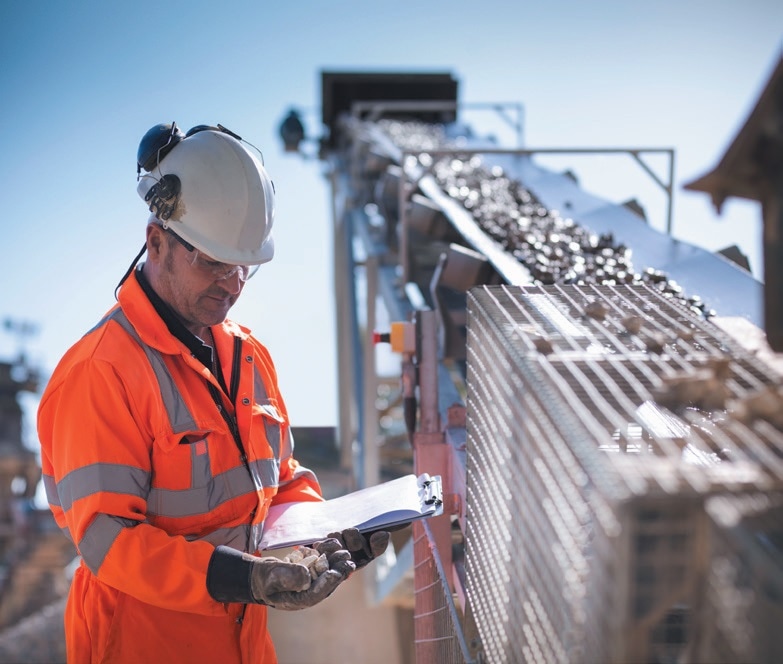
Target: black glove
(363,548)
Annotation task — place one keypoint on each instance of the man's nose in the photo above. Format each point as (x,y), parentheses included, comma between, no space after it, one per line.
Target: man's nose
(232,283)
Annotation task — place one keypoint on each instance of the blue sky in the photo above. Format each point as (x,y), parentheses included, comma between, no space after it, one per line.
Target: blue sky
(82,81)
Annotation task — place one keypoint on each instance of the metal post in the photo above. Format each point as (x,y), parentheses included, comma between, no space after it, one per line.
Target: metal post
(345,319)
(370,456)
(428,371)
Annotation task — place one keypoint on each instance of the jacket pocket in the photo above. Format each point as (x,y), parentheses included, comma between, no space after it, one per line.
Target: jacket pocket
(182,481)
(182,460)
(267,417)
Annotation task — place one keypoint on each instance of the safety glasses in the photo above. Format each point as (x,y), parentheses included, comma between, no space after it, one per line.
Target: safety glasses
(216,270)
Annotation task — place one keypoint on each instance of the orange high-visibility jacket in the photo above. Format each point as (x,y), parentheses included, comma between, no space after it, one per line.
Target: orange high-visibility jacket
(143,474)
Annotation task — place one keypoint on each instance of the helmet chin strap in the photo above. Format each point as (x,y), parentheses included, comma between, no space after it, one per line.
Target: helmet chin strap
(130,269)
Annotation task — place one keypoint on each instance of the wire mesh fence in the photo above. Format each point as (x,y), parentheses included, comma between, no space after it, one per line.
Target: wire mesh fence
(600,421)
(438,621)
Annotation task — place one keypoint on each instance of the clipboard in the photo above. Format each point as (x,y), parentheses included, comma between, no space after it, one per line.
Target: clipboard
(384,506)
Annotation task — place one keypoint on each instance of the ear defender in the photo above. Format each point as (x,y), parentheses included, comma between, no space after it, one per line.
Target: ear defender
(156,144)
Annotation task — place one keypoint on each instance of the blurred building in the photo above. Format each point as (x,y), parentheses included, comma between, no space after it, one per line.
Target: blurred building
(34,554)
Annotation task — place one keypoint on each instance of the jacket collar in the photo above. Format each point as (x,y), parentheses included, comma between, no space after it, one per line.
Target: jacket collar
(157,324)
(153,319)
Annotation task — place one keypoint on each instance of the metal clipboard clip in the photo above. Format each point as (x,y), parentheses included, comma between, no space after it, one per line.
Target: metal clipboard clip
(431,491)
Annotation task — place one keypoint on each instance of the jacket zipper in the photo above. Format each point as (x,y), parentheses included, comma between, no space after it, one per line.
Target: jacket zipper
(237,360)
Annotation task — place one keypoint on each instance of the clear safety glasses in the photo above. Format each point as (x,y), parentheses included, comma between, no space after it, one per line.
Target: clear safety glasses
(214,269)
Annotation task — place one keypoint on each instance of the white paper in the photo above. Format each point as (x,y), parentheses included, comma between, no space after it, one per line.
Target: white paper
(385,505)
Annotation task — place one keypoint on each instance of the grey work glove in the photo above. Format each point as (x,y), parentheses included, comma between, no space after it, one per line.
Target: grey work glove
(363,548)
(304,578)
(338,557)
(291,586)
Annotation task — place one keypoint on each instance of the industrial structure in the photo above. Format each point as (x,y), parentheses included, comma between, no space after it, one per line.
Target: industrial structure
(598,396)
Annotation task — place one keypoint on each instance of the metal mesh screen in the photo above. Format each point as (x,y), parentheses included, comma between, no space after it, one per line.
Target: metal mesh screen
(599,420)
(436,621)
(744,607)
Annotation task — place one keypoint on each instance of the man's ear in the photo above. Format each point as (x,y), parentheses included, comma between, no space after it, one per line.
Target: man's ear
(155,241)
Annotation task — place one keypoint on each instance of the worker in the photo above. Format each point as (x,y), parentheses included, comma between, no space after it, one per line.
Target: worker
(165,439)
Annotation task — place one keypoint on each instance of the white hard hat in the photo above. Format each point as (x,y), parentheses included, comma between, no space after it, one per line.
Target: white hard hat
(212,191)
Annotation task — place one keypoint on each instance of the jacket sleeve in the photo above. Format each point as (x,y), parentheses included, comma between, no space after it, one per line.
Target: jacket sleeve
(296,482)
(96,454)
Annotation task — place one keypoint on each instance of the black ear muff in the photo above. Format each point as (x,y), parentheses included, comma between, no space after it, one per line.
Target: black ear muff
(219,127)
(156,144)
(201,127)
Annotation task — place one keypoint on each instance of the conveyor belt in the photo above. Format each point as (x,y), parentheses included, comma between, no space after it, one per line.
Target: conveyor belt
(505,207)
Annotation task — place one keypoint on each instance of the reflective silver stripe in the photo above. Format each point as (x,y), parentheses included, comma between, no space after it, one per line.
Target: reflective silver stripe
(259,388)
(99,324)
(256,531)
(97,541)
(287,449)
(98,477)
(200,471)
(51,490)
(179,415)
(273,436)
(226,486)
(299,474)
(235,537)
(176,503)
(273,420)
(266,472)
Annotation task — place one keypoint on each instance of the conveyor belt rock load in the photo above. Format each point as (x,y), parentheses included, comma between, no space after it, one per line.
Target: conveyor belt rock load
(554,249)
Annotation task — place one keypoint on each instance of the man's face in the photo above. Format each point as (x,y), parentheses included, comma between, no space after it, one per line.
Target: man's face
(190,284)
